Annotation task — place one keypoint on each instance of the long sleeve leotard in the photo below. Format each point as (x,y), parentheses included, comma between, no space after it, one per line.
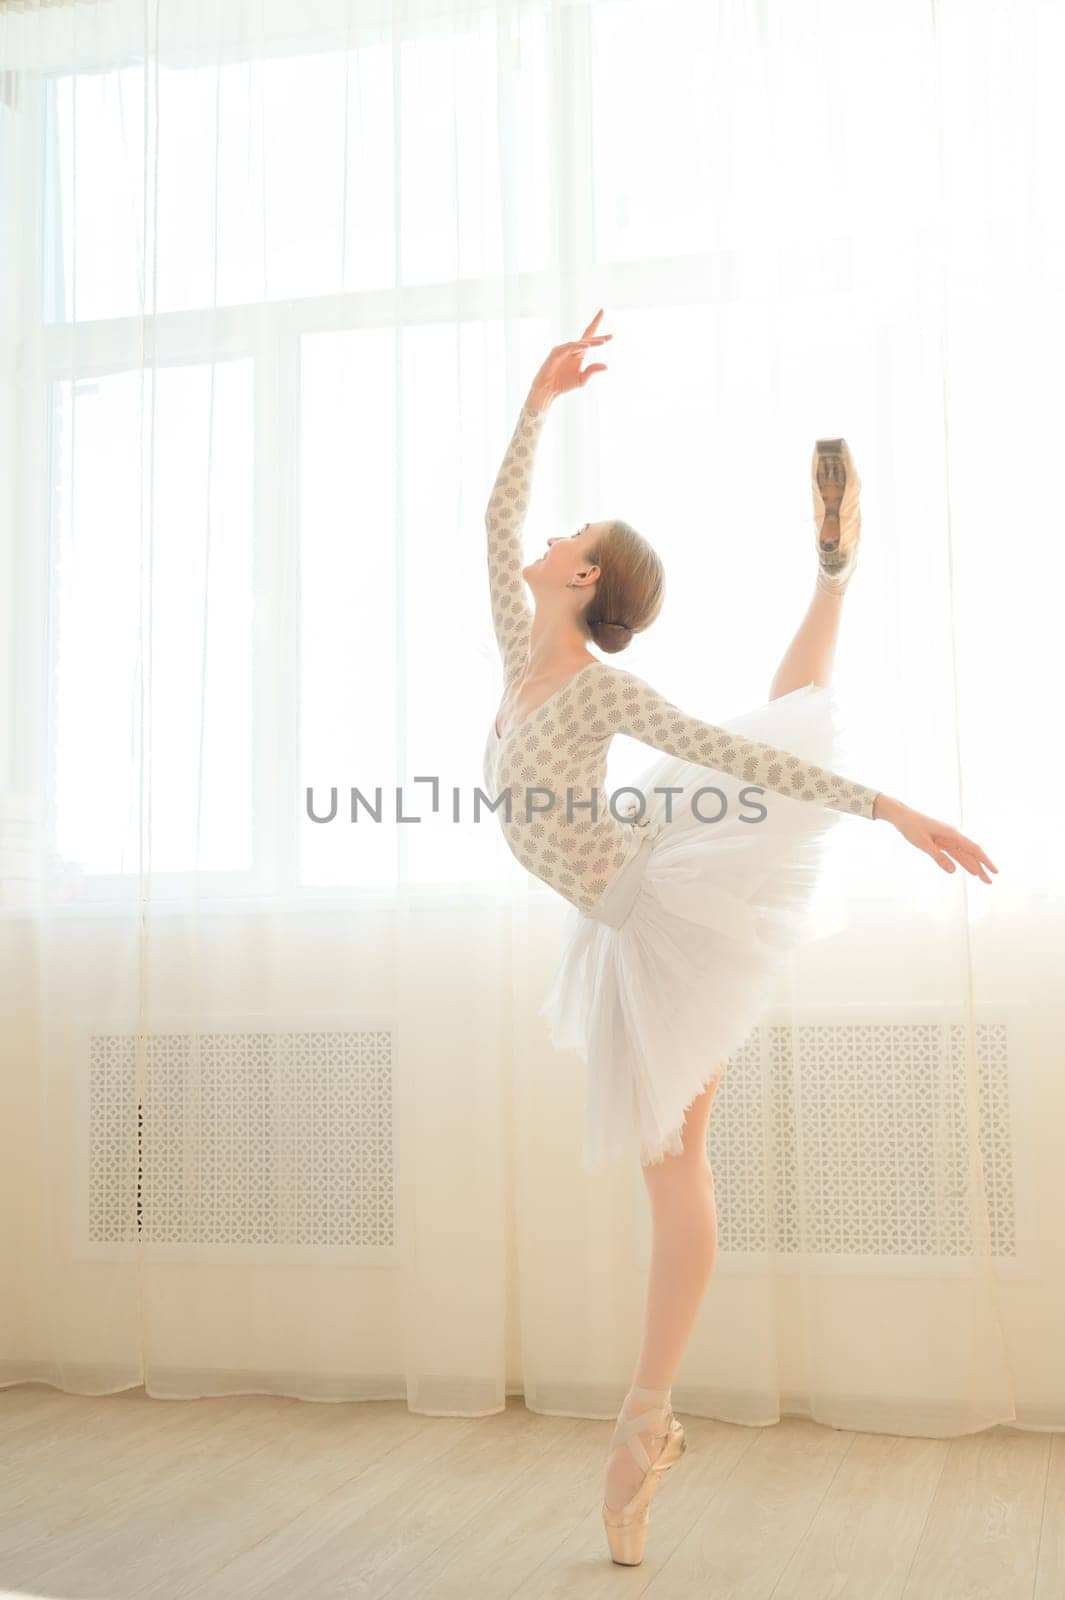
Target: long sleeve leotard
(553,762)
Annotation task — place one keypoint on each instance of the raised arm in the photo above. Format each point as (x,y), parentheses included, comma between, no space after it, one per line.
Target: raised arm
(630,705)
(509,500)
(504,521)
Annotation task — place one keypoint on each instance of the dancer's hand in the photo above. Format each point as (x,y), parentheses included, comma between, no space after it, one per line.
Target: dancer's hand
(562,369)
(937,839)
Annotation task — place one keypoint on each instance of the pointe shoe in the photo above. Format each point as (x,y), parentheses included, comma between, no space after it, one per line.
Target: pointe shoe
(626,1528)
(837,513)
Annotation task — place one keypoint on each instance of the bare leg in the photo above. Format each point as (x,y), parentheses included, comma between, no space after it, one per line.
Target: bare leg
(684,1234)
(809,656)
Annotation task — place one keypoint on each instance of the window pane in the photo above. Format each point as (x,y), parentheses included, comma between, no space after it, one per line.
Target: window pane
(153,500)
(348,600)
(456,112)
(427,663)
(460,422)
(732,143)
(277,178)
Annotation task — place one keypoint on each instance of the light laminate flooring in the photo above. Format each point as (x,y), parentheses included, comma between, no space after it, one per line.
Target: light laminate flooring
(124,1496)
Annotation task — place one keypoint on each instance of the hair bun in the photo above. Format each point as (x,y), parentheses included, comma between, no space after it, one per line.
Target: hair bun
(611,636)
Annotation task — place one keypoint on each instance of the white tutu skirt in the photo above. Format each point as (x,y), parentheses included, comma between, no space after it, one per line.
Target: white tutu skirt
(656,1006)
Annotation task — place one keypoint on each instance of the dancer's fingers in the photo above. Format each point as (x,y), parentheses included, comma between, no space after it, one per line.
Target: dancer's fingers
(972,850)
(966,853)
(980,855)
(971,864)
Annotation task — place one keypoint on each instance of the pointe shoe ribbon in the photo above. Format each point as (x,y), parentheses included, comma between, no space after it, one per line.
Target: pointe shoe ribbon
(626,1527)
(837,513)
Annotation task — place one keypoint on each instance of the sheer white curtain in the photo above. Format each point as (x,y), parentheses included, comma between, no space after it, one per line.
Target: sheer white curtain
(278,1110)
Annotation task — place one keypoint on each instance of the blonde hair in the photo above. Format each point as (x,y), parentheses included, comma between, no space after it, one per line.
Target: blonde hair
(629,591)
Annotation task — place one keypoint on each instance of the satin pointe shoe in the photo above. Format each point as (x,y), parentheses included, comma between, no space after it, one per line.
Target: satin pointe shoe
(626,1527)
(837,513)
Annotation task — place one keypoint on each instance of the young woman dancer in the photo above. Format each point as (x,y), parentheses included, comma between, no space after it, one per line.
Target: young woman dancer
(683,908)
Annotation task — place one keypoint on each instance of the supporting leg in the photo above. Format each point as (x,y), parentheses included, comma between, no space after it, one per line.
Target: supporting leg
(810,655)
(684,1234)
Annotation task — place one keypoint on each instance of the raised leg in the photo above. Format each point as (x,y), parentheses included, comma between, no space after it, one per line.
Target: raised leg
(836,489)
(810,655)
(684,1245)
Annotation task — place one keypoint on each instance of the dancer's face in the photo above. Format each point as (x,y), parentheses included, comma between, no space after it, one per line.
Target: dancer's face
(565,561)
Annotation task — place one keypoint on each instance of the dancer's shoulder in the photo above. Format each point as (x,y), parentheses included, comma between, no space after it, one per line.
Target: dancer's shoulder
(622,680)
(622,695)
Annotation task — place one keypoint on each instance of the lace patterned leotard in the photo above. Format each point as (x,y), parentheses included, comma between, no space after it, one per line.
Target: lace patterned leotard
(561,748)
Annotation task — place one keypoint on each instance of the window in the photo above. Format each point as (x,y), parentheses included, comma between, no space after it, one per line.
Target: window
(269,357)
(233,519)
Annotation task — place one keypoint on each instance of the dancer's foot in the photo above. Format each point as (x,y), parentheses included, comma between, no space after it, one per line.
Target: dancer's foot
(656,1451)
(837,514)
(623,1474)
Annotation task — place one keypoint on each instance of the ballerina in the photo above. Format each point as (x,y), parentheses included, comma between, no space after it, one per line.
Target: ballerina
(680,918)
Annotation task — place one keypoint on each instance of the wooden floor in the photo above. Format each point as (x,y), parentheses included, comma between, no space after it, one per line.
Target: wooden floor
(124,1495)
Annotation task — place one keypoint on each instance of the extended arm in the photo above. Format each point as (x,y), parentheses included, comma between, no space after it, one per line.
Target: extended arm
(504,521)
(633,707)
